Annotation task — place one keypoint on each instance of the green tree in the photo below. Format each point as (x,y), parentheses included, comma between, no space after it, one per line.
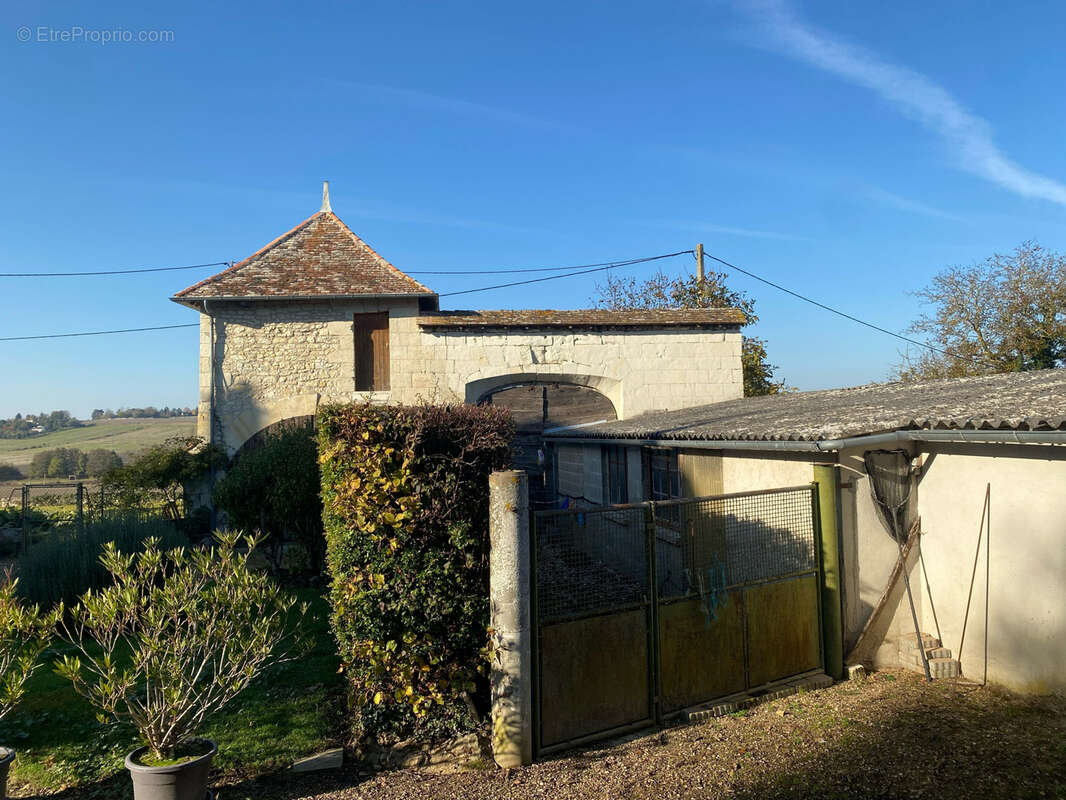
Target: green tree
(163,474)
(39,464)
(1005,314)
(274,489)
(684,291)
(100,461)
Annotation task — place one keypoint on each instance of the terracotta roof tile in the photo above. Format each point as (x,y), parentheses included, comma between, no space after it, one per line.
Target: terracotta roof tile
(320,257)
(584,318)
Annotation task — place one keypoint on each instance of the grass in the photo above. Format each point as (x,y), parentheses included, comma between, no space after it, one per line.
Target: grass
(125,436)
(293,710)
(66,562)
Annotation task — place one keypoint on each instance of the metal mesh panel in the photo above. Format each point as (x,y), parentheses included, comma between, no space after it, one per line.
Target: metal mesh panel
(590,562)
(732,540)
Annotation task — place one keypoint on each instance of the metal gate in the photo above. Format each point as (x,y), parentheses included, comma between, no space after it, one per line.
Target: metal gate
(643,610)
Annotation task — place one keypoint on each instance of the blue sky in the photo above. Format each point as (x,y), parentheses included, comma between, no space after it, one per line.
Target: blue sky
(848,151)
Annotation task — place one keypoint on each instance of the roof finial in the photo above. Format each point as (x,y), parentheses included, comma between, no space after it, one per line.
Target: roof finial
(325,198)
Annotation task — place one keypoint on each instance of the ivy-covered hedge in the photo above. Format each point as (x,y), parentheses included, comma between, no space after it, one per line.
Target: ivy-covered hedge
(405,508)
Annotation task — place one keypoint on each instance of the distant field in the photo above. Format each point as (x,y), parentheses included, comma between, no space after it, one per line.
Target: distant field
(125,436)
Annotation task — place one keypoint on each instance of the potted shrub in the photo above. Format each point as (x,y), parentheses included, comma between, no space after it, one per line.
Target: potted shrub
(24,634)
(176,636)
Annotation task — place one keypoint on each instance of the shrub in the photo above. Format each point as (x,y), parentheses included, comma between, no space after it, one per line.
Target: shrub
(199,626)
(98,462)
(274,489)
(66,563)
(161,475)
(405,506)
(24,634)
(9,472)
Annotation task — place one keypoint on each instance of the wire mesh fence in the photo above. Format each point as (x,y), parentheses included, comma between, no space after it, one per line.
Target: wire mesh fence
(596,560)
(590,561)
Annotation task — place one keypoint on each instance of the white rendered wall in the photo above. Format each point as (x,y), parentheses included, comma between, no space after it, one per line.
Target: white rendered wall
(1027,597)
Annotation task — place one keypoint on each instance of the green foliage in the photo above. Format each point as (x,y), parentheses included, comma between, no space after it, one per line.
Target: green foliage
(66,563)
(198,626)
(274,489)
(405,506)
(1002,315)
(9,472)
(61,462)
(22,427)
(148,412)
(684,291)
(294,709)
(24,634)
(100,461)
(160,475)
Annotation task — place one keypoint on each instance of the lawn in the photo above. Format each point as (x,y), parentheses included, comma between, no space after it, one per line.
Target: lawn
(294,710)
(125,436)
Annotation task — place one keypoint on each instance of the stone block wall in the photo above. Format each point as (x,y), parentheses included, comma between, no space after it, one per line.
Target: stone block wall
(274,360)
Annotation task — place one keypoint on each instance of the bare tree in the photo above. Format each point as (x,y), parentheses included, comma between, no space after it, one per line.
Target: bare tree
(684,291)
(1006,314)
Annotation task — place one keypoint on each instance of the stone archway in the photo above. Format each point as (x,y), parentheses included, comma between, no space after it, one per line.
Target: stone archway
(478,389)
(256,440)
(239,428)
(543,403)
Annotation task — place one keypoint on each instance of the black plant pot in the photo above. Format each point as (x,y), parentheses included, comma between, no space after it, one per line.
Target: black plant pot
(6,757)
(184,781)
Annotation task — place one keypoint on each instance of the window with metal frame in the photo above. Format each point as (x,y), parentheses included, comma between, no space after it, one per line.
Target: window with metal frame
(662,479)
(615,475)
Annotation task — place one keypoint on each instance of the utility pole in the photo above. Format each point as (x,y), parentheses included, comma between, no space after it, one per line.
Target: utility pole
(700,280)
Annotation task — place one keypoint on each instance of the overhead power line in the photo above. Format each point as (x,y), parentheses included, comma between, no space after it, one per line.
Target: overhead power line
(109,271)
(509,270)
(598,268)
(834,310)
(98,333)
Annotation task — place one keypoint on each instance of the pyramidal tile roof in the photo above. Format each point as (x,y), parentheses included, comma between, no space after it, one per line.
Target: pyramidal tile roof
(319,258)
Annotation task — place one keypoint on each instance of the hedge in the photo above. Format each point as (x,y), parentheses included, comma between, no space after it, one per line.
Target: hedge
(405,509)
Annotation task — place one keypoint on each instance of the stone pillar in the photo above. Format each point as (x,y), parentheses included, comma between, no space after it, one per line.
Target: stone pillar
(509,596)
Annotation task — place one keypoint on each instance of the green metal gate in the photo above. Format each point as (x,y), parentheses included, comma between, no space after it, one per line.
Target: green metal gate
(643,610)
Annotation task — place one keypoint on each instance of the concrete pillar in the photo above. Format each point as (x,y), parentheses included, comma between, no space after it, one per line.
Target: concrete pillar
(511,619)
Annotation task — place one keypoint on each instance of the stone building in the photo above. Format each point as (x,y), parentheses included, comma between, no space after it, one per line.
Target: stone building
(318,316)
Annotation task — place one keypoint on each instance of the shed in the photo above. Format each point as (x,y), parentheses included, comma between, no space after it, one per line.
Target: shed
(987,458)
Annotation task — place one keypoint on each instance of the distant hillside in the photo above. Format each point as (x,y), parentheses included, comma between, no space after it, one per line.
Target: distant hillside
(125,436)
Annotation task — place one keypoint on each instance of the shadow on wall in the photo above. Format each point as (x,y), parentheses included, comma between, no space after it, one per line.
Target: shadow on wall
(1023,548)
(597,559)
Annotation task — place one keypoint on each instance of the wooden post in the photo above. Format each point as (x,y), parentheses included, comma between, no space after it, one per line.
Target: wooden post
(701,281)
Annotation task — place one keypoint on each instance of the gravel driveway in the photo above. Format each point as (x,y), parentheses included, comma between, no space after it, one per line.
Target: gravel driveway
(891,735)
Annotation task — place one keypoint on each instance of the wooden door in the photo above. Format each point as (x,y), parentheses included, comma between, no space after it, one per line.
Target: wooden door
(372,352)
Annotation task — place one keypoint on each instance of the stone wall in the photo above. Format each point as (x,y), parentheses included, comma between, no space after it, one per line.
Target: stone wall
(283,359)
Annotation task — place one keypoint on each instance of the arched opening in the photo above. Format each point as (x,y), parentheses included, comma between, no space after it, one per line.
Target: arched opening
(255,441)
(540,405)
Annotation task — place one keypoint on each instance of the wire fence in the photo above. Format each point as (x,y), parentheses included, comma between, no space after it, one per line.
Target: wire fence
(596,560)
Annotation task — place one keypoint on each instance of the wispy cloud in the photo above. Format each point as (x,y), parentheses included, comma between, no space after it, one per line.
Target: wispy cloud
(427,101)
(709,227)
(910,92)
(887,198)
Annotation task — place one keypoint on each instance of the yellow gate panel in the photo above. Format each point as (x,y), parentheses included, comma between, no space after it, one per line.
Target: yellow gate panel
(782,629)
(702,656)
(594,675)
